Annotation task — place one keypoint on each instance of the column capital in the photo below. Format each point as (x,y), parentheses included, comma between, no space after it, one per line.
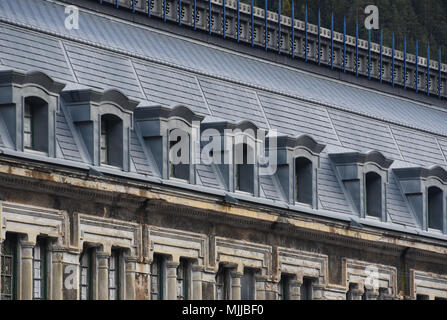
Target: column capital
(131,259)
(102,255)
(25,244)
(172,264)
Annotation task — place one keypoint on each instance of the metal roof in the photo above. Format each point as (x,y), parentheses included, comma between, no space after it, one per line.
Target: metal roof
(157,68)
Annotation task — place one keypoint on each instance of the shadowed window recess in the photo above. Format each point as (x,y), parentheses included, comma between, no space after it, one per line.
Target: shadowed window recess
(35,124)
(111,140)
(373,194)
(303,181)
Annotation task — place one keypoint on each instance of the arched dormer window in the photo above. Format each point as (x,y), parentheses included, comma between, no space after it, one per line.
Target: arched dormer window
(364,177)
(297,163)
(35,124)
(244,166)
(425,190)
(111,140)
(303,181)
(104,121)
(29,104)
(373,194)
(435,212)
(171,135)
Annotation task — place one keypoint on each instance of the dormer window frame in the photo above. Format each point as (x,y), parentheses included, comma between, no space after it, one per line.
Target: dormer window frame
(18,88)
(156,124)
(352,169)
(288,149)
(225,136)
(415,184)
(87,109)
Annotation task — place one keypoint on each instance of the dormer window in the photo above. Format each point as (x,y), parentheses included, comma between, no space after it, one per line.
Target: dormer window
(364,177)
(425,190)
(170,134)
(373,194)
(303,181)
(111,140)
(435,208)
(30,102)
(179,155)
(298,160)
(244,168)
(35,124)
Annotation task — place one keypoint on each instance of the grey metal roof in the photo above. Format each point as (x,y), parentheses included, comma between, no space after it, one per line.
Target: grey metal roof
(154,67)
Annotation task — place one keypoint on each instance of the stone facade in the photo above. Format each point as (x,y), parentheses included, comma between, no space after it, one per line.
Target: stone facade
(341,262)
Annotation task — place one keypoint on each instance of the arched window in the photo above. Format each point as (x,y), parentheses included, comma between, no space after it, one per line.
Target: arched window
(111,140)
(303,181)
(35,124)
(434,210)
(373,195)
(244,168)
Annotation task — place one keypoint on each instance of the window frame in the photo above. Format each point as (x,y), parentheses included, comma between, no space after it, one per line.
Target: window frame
(42,244)
(11,239)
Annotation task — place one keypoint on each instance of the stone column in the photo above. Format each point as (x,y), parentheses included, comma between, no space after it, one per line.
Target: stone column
(371,294)
(56,273)
(130,278)
(171,275)
(260,287)
(103,276)
(26,279)
(355,294)
(236,286)
(295,290)
(197,282)
(317,292)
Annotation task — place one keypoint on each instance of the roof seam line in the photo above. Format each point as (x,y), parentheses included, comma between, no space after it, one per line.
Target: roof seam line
(137,77)
(332,125)
(262,109)
(70,66)
(442,151)
(203,94)
(395,141)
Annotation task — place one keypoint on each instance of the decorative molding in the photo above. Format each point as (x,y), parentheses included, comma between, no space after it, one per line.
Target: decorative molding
(178,244)
(243,254)
(377,276)
(303,264)
(108,233)
(428,284)
(34,221)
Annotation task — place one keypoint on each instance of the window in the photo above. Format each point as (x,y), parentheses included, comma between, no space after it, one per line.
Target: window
(87,266)
(111,152)
(422,297)
(244,168)
(435,212)
(248,285)
(284,287)
(9,268)
(178,155)
(223,284)
(35,124)
(352,292)
(40,269)
(306,289)
(114,275)
(373,195)
(303,181)
(157,277)
(183,280)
